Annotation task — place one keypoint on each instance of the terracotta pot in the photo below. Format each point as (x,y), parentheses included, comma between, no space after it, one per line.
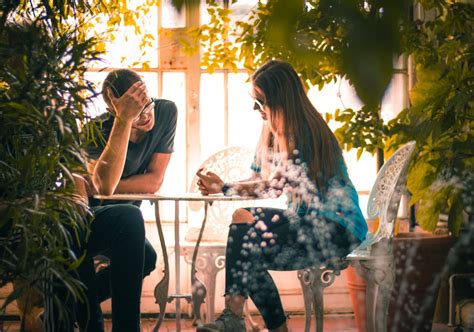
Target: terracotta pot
(419,260)
(357,287)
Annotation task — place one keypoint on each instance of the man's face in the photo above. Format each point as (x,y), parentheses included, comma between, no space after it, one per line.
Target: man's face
(146,120)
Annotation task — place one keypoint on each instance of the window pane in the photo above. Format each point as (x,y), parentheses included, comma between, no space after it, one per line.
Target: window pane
(171,17)
(333,96)
(124,50)
(212,114)
(241,9)
(244,122)
(205,17)
(174,85)
(97,106)
(392,102)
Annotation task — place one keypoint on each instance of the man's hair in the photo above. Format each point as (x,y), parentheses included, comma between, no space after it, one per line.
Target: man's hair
(119,81)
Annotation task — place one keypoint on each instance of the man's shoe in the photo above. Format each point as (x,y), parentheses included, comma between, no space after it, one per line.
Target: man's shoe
(227,322)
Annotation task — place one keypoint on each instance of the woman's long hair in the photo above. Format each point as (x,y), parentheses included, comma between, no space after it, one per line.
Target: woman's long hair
(304,128)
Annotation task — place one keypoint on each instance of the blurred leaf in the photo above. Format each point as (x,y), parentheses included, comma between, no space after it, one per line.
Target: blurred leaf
(421,176)
(455,216)
(429,208)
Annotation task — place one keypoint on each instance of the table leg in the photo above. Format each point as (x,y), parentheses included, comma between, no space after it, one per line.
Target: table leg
(161,289)
(198,287)
(177,255)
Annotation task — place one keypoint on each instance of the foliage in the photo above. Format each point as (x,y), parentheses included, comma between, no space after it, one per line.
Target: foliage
(114,17)
(45,53)
(214,38)
(441,118)
(358,40)
(360,129)
(325,41)
(322,39)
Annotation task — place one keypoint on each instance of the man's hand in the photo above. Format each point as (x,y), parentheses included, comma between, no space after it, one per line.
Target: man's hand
(209,183)
(131,103)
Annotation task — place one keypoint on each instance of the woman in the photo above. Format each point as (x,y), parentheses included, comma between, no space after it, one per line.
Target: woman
(323,220)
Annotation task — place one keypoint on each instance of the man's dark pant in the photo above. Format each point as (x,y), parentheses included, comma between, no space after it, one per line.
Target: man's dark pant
(118,232)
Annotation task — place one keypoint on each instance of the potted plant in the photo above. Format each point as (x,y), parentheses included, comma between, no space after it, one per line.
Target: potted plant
(42,99)
(440,178)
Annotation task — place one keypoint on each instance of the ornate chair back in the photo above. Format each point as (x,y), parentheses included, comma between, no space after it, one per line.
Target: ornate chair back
(384,198)
(231,164)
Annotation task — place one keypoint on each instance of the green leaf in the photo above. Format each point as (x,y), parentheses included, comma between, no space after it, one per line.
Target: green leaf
(455,215)
(421,176)
(430,207)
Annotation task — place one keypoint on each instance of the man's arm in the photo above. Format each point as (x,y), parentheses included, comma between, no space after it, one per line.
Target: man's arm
(151,181)
(106,172)
(108,169)
(81,196)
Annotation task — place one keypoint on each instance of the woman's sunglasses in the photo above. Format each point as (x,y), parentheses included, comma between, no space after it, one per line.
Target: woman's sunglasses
(258,105)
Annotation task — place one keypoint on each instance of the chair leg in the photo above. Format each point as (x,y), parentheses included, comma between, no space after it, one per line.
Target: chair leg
(207,265)
(385,287)
(318,301)
(307,296)
(371,294)
(211,297)
(198,295)
(379,274)
(313,281)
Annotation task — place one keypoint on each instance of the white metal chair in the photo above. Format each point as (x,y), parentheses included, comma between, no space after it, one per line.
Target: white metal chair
(231,164)
(373,259)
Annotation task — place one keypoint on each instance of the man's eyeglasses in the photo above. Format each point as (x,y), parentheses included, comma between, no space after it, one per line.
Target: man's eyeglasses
(146,109)
(258,105)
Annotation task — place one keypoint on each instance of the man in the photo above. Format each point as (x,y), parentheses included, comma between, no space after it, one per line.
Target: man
(138,135)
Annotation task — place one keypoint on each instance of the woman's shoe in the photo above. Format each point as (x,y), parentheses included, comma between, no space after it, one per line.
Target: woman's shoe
(227,322)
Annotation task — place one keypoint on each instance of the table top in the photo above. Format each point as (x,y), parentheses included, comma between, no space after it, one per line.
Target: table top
(188,196)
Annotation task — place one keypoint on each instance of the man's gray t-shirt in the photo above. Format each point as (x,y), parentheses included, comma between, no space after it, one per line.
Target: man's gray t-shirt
(158,140)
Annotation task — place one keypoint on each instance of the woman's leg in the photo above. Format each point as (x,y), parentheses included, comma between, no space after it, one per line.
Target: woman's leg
(277,240)
(235,300)
(245,275)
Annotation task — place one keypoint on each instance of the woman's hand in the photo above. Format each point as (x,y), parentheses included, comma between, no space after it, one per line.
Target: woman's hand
(209,183)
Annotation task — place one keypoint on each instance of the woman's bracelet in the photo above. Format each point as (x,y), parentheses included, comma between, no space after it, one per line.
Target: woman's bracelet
(226,189)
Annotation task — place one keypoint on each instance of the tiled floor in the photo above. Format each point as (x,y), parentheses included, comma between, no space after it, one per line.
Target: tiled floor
(332,323)
(296,324)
